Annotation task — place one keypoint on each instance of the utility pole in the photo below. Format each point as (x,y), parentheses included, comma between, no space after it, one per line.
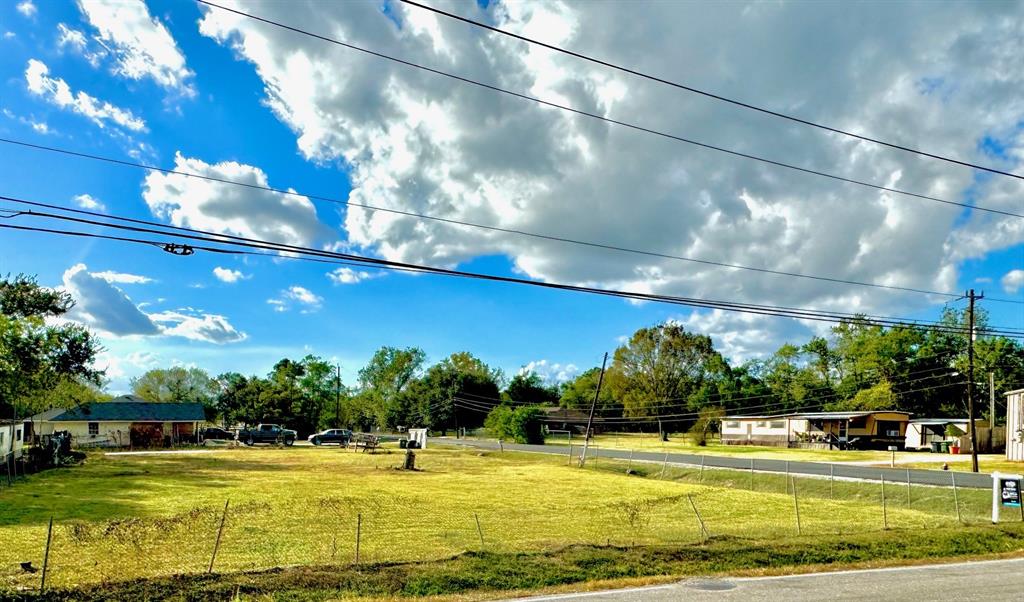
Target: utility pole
(971,297)
(593,404)
(337,396)
(991,410)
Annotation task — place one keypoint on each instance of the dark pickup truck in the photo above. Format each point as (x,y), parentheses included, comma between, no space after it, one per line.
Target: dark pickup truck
(267,433)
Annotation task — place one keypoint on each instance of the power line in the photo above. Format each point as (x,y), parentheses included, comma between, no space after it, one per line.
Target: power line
(797,313)
(456,222)
(708,94)
(608,119)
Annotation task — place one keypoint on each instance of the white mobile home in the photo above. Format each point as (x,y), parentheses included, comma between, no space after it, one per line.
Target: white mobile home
(843,430)
(11,440)
(1015,425)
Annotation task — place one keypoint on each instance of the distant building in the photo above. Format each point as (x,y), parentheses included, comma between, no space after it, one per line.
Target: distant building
(823,430)
(1015,425)
(124,422)
(12,436)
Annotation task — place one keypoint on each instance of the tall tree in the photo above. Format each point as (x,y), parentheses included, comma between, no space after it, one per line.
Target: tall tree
(38,356)
(662,363)
(430,400)
(381,381)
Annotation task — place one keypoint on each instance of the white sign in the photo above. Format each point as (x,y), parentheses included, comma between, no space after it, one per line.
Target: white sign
(1006,491)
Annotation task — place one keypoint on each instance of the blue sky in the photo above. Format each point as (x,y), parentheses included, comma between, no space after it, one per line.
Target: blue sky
(340,129)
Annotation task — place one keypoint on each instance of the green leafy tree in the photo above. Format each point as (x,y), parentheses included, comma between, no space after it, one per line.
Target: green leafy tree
(578,393)
(521,425)
(430,400)
(42,365)
(383,379)
(662,363)
(529,387)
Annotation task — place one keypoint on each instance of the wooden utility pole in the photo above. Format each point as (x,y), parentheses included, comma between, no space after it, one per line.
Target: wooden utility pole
(991,411)
(593,405)
(971,297)
(337,396)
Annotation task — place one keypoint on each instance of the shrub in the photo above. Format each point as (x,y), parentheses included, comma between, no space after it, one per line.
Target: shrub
(522,425)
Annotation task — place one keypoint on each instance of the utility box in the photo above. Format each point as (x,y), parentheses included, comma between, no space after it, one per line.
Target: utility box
(419,436)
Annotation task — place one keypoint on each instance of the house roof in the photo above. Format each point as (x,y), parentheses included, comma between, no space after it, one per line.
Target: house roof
(936,421)
(819,415)
(131,411)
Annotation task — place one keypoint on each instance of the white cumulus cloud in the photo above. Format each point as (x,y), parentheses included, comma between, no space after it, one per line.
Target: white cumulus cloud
(230,209)
(1013,281)
(26,8)
(351,276)
(425,144)
(551,372)
(228,275)
(142,45)
(103,306)
(297,296)
(57,91)
(87,201)
(123,278)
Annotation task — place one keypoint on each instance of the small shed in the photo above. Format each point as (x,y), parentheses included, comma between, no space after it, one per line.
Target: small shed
(123,422)
(922,432)
(1015,425)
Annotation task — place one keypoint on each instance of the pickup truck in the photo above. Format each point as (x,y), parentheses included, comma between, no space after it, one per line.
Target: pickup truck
(267,433)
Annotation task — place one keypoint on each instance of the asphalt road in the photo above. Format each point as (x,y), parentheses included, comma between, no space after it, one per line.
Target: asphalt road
(989,581)
(821,469)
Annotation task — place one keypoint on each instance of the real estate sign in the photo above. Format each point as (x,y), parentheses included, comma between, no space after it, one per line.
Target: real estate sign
(1006,491)
(1009,492)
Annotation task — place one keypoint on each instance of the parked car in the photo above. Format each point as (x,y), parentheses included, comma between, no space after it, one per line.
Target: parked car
(339,436)
(267,433)
(218,433)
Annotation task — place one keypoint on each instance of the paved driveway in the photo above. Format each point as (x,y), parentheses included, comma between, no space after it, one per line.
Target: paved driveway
(988,581)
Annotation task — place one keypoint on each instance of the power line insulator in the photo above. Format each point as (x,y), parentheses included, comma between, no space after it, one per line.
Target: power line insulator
(176,249)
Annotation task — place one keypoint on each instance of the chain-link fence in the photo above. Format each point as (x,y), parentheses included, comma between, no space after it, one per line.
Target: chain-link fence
(663,504)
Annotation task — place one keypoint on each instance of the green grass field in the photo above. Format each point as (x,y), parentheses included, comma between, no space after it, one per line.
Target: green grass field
(134,516)
(682,444)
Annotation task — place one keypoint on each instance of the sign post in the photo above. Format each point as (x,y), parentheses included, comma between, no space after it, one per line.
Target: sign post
(1006,491)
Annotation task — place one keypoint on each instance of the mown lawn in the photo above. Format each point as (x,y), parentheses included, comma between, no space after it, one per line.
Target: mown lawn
(125,517)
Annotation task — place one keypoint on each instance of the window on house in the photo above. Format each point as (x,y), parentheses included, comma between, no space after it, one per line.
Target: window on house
(778,424)
(94,428)
(17,435)
(761,424)
(733,424)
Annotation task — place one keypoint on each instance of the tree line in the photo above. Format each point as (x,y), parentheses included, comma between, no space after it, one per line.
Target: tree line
(663,374)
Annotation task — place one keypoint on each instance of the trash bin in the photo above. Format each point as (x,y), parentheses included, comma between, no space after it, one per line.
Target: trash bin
(936,447)
(944,447)
(403,443)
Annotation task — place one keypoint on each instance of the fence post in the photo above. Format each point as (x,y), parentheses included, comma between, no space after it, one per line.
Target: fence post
(796,504)
(359,529)
(751,474)
(788,478)
(664,465)
(479,531)
(46,555)
(956,498)
(570,454)
(885,511)
(831,481)
(220,531)
(700,476)
(700,521)
(908,488)
(629,465)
